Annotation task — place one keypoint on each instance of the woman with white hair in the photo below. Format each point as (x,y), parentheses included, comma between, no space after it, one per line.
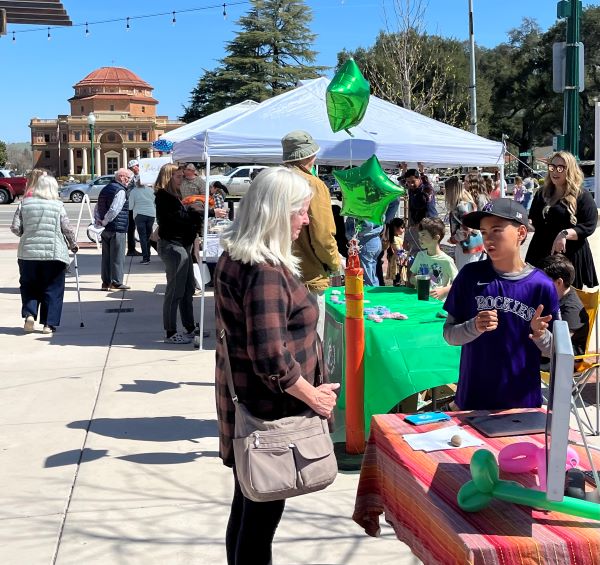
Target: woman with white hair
(43,226)
(269,319)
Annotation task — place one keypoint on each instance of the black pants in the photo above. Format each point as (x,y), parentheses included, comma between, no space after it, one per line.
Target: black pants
(144,227)
(251,529)
(42,287)
(131,233)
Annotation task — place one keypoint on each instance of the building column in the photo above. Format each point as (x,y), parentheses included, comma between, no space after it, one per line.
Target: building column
(98,163)
(84,168)
(125,160)
(137,153)
(150,152)
(71,162)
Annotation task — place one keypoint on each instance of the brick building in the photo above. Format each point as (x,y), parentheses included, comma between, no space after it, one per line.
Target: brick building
(126,125)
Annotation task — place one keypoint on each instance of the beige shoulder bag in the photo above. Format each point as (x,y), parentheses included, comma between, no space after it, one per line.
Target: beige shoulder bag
(277,459)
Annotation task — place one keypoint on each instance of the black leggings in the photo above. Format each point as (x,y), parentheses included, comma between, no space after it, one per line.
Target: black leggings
(251,529)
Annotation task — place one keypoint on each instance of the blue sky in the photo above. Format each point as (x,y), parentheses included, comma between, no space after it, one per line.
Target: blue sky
(39,74)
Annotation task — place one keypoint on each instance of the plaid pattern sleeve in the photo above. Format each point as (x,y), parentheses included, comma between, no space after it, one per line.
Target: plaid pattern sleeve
(270,320)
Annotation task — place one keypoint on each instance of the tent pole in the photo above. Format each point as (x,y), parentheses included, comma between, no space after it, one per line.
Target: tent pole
(502,191)
(204,238)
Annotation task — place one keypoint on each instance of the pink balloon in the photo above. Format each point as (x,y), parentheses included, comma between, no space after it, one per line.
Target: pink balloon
(525,456)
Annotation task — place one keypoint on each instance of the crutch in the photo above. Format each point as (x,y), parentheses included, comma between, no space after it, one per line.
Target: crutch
(81,324)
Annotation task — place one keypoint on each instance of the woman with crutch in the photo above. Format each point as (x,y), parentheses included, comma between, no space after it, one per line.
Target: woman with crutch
(43,255)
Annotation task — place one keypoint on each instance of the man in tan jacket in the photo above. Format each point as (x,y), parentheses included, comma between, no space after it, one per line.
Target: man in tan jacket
(316,245)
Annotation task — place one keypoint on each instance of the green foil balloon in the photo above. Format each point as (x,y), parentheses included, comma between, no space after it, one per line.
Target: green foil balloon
(486,485)
(367,191)
(347,97)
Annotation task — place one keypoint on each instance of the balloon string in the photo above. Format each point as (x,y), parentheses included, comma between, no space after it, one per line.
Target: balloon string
(350,152)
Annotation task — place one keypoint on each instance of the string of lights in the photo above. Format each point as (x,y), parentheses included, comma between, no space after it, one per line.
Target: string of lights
(129,19)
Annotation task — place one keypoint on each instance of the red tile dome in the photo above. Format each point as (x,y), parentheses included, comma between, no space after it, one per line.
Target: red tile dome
(113,76)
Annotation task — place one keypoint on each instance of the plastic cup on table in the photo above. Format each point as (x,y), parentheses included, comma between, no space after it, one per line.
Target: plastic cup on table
(423,286)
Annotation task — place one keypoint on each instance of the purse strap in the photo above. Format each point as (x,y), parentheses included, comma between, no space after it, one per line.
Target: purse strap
(319,376)
(227,365)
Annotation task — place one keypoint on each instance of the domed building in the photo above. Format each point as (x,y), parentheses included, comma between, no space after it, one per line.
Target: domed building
(125,125)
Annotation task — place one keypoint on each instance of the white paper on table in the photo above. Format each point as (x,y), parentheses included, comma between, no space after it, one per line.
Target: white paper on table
(440,439)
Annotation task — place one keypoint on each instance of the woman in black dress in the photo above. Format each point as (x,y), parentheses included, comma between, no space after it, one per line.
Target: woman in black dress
(564,215)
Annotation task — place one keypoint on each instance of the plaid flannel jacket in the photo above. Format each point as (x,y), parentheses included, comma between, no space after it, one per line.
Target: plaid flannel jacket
(270,319)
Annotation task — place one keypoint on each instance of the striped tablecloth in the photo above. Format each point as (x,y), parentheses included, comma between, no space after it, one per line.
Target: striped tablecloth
(416,491)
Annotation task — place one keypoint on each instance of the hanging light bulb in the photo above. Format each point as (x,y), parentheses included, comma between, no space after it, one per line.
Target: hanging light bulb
(127,27)
(87,29)
(224,11)
(49,34)
(173,21)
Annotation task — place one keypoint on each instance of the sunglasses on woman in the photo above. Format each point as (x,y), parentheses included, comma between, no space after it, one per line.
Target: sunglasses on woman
(557,168)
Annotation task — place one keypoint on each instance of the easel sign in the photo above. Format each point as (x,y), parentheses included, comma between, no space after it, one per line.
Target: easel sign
(85,201)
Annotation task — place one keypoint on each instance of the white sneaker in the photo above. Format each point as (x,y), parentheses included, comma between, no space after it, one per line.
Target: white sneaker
(178,339)
(29,324)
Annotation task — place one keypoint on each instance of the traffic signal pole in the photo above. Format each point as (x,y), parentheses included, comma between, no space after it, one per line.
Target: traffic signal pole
(571,10)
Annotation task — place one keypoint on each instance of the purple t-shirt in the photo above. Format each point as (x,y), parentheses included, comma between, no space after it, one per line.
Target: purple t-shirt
(500,369)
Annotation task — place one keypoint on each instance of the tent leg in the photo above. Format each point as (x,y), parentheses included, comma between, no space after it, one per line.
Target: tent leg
(204,237)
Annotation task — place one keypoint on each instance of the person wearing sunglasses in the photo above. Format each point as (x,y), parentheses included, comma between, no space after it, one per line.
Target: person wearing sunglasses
(564,215)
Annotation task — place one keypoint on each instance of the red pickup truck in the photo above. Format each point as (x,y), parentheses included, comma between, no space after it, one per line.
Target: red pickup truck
(11,186)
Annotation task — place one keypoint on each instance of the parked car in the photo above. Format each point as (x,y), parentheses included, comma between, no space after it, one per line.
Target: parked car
(11,186)
(75,192)
(237,180)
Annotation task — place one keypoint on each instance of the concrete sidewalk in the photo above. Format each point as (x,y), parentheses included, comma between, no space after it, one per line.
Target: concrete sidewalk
(108,442)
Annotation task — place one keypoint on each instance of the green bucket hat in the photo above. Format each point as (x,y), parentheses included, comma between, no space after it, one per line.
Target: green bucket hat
(298,145)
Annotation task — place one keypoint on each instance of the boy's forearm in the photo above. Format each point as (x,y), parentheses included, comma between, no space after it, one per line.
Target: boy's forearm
(544,343)
(460,334)
(444,290)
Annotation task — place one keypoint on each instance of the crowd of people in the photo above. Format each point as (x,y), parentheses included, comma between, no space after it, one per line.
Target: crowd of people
(279,255)
(125,206)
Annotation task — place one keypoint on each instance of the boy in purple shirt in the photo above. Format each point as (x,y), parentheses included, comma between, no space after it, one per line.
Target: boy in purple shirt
(500,310)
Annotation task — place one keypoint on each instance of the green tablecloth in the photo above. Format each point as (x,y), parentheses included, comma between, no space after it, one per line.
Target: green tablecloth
(402,357)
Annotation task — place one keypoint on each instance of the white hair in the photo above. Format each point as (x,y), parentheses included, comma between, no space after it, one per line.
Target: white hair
(46,188)
(261,231)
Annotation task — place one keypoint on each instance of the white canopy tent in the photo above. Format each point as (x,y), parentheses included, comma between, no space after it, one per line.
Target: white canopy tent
(392,133)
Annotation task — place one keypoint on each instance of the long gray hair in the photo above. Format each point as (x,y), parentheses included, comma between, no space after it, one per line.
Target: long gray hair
(261,231)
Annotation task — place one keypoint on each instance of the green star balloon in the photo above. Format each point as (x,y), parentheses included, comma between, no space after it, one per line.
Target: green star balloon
(367,191)
(347,97)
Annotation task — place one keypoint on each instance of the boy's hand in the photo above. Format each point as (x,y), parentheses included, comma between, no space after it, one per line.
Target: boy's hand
(539,323)
(486,321)
(439,292)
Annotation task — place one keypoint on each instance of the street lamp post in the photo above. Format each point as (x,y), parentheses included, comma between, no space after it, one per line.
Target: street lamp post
(91,120)
(473,78)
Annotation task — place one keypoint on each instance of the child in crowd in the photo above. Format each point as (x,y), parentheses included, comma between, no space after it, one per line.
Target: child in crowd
(433,261)
(219,192)
(519,191)
(397,257)
(500,310)
(562,273)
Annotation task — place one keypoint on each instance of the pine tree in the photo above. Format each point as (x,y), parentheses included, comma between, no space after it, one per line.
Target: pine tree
(3,156)
(270,54)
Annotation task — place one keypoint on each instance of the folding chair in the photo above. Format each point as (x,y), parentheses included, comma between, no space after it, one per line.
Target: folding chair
(586,365)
